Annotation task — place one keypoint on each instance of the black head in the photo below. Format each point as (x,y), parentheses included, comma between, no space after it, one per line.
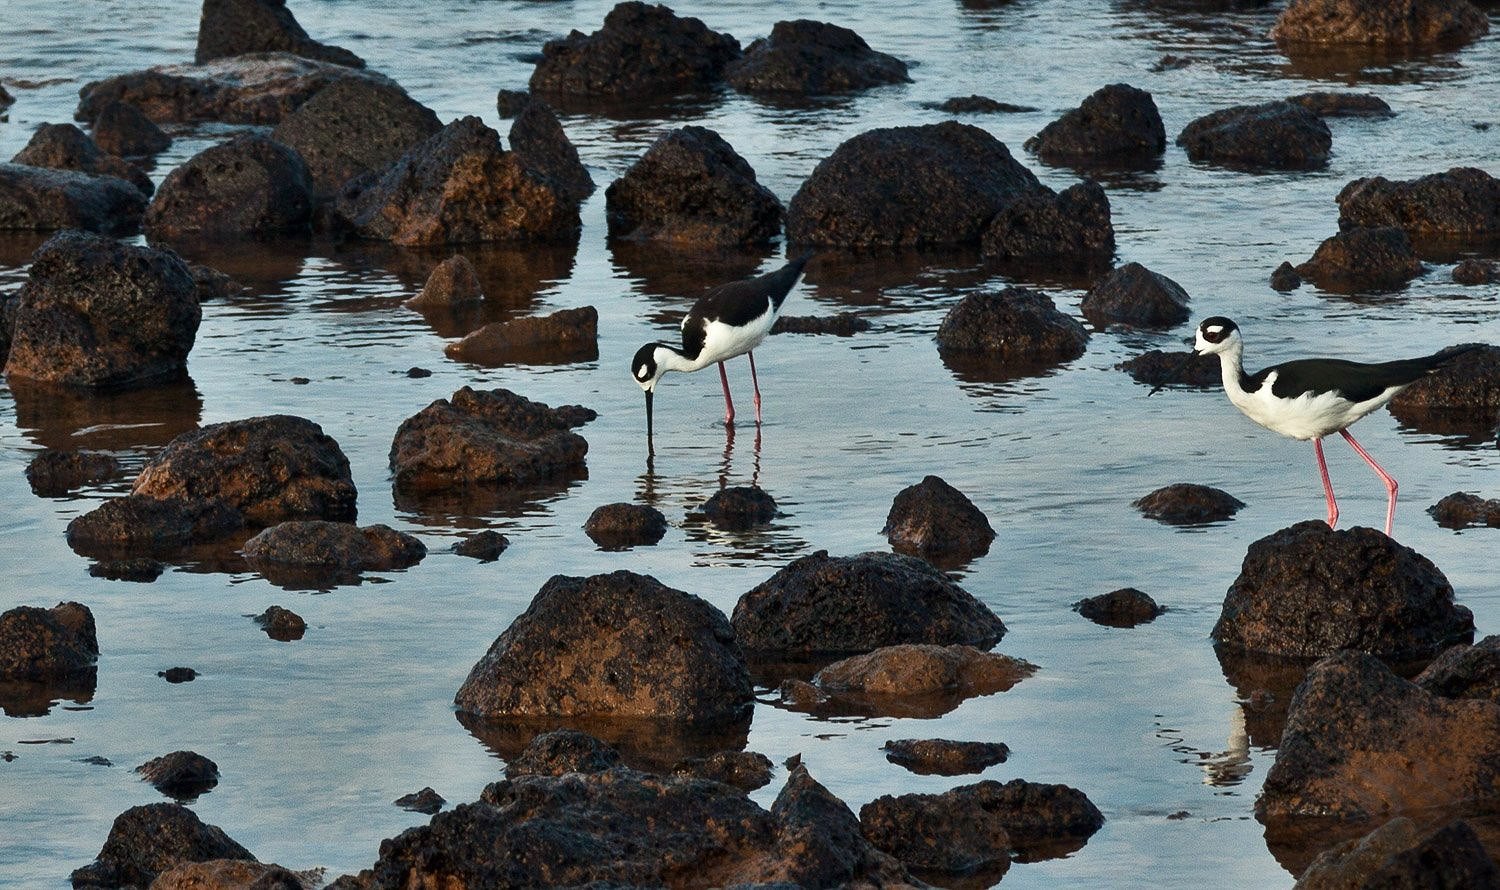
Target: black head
(643,367)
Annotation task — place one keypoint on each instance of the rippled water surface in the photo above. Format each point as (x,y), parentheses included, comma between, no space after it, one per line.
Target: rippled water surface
(315,738)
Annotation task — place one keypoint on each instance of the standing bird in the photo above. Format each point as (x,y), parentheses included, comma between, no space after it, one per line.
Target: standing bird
(1310,398)
(729,320)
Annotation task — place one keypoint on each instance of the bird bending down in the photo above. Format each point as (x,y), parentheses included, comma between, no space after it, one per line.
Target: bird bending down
(729,320)
(1310,398)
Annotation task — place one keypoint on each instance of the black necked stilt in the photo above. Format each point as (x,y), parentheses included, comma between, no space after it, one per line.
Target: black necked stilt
(729,320)
(1310,398)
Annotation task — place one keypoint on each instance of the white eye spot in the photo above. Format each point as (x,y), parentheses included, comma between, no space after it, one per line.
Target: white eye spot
(641,372)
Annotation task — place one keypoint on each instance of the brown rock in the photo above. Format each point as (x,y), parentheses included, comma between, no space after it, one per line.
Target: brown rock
(1134,295)
(980,105)
(248,187)
(231,874)
(740,507)
(338,546)
(1363,259)
(622,526)
(560,752)
(745,770)
(1380,22)
(236,27)
(567,335)
(1463,202)
(148,840)
(55,473)
(941,757)
(1397,854)
(1461,396)
(537,137)
(1116,122)
(1285,278)
(923,669)
(1274,135)
(182,775)
(143,526)
(1472,271)
(281,624)
(1187,503)
(1327,104)
(1461,510)
(932,519)
(43,199)
(509,103)
(39,644)
(1012,331)
(1159,368)
(1465,672)
(1126,607)
(123,130)
(65,147)
(806,57)
(1053,230)
(453,282)
(485,546)
(213,284)
(951,835)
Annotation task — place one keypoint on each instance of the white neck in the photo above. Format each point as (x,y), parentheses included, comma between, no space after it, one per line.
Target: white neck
(669,359)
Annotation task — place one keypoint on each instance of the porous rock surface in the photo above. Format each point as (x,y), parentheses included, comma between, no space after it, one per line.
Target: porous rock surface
(807,57)
(1273,135)
(944,757)
(617,526)
(1188,503)
(236,27)
(44,199)
(183,775)
(249,187)
(336,545)
(1399,854)
(1134,295)
(1380,22)
(934,518)
(145,841)
(923,669)
(1115,122)
(123,130)
(537,137)
(65,147)
(1461,509)
(1125,607)
(1363,259)
(1016,328)
(41,645)
(1457,203)
(1058,230)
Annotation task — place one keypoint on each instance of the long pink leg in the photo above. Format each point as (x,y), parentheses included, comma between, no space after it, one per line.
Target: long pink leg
(1333,507)
(728,402)
(756,384)
(1390,483)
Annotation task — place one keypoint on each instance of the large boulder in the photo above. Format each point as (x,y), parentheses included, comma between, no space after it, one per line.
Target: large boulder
(1274,135)
(1463,202)
(65,147)
(1015,330)
(537,137)
(616,645)
(851,604)
(932,519)
(1308,590)
(1380,22)
(43,199)
(459,186)
(806,57)
(906,187)
(690,187)
(42,645)
(1062,230)
(641,51)
(1463,395)
(248,187)
(1134,295)
(1399,854)
(1116,123)
(1363,259)
(137,526)
(98,313)
(236,27)
(1465,672)
(147,840)
(123,130)
(567,335)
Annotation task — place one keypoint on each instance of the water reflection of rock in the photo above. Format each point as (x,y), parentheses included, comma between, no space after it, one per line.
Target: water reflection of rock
(29,698)
(16,248)
(469,507)
(1295,846)
(667,270)
(898,278)
(71,419)
(262,266)
(651,745)
(510,275)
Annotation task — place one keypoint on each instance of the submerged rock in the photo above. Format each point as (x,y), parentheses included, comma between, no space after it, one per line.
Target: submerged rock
(1463,202)
(1188,503)
(44,199)
(178,675)
(1363,259)
(233,874)
(426,802)
(65,147)
(1285,278)
(1274,135)
(1017,329)
(560,752)
(1461,510)
(248,187)
(1472,271)
(621,526)
(840,324)
(1116,122)
(183,775)
(53,644)
(1134,295)
(1125,607)
(123,130)
(740,507)
(565,335)
(806,57)
(1380,22)
(941,757)
(236,27)
(932,518)
(1061,230)
(55,473)
(147,840)
(1327,104)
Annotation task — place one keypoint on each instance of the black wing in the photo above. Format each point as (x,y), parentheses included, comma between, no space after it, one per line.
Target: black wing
(738,302)
(1355,381)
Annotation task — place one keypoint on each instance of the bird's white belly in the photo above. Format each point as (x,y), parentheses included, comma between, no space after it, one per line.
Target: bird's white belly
(1309,416)
(722,341)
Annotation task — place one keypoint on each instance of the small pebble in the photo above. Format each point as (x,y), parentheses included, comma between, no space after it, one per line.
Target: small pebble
(418,372)
(178,674)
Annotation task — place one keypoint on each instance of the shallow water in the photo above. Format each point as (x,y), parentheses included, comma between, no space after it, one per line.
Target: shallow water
(315,738)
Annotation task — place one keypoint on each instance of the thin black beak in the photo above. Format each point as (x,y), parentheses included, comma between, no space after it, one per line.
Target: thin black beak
(650,446)
(1175,375)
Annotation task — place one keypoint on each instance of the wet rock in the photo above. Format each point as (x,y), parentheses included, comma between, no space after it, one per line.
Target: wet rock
(354,126)
(1071,228)
(484,546)
(851,604)
(1363,259)
(453,282)
(39,644)
(565,335)
(426,801)
(270,469)
(1308,590)
(1167,368)
(951,835)
(1014,329)
(1463,202)
(335,546)
(1275,135)
(416,373)
(745,770)
(839,324)
(1464,394)
(942,757)
(690,187)
(538,138)
(123,130)
(65,147)
(922,669)
(1125,607)
(486,438)
(147,840)
(1117,122)
(740,508)
(980,105)
(932,518)
(560,752)
(807,57)
(236,27)
(1326,104)
(1465,672)
(459,186)
(178,675)
(1285,278)
(1357,734)
(55,473)
(1188,503)
(1398,854)
(248,187)
(908,186)
(43,199)
(510,103)
(139,570)
(183,775)
(593,647)
(98,313)
(1461,510)
(10,305)
(1472,271)
(1134,295)
(138,526)
(1386,22)
(281,624)
(621,526)
(233,874)
(640,51)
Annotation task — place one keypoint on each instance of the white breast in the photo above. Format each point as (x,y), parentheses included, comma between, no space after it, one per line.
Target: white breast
(1308,416)
(724,342)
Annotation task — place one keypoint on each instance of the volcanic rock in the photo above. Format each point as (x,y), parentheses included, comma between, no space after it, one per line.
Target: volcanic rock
(426,802)
(65,147)
(1465,672)
(1014,329)
(248,187)
(178,675)
(1159,368)
(941,757)
(148,840)
(336,546)
(839,324)
(1275,135)
(1472,271)
(1285,278)
(237,27)
(453,282)
(182,774)
(621,526)
(123,130)
(807,57)
(510,103)
(1461,510)
(40,645)
(932,518)
(43,199)
(1363,259)
(1042,228)
(745,770)
(1326,104)
(137,526)
(1134,295)
(1463,394)
(565,335)
(55,473)
(1116,122)
(979,105)
(923,669)
(232,874)
(1463,202)
(1398,854)
(484,546)
(537,137)
(1187,503)
(740,507)
(1380,22)
(1125,607)
(560,752)
(281,624)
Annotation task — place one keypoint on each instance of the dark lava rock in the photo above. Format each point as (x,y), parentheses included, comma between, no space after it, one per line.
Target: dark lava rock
(1463,394)
(39,644)
(453,282)
(1187,503)
(840,324)
(178,675)
(1125,607)
(1472,271)
(1116,122)
(1017,328)
(621,526)
(739,508)
(484,546)
(182,774)
(65,147)
(932,518)
(1065,230)
(1167,368)
(231,874)
(98,313)
(980,105)
(564,336)
(417,373)
(1307,590)
(1357,735)
(560,752)
(908,186)
(1461,510)
(1134,295)
(834,605)
(690,187)
(538,138)
(806,57)
(510,103)
(213,284)
(123,130)
(43,199)
(138,526)
(354,126)
(281,624)
(459,186)
(1381,22)
(1276,135)
(1460,203)
(942,757)
(270,469)
(1465,672)
(595,647)
(426,801)
(1363,259)
(641,51)
(236,27)
(148,840)
(491,438)
(912,669)
(248,187)
(55,473)
(745,770)
(335,546)
(1285,278)
(1398,854)
(140,570)
(1325,104)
